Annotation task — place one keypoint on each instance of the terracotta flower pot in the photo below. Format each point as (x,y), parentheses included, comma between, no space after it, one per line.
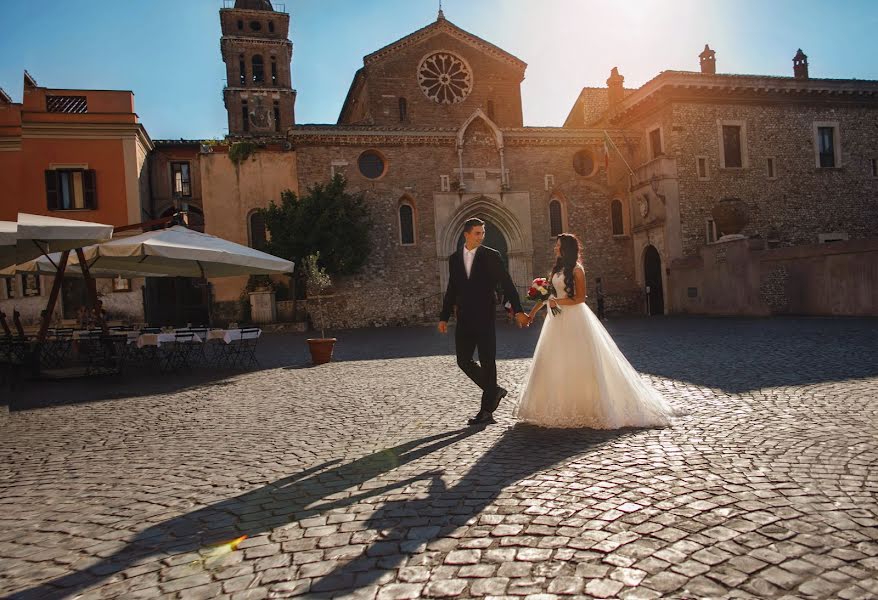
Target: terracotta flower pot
(731,216)
(321,350)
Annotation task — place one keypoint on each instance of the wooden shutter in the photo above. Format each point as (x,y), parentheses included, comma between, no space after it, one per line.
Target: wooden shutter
(89,183)
(52,190)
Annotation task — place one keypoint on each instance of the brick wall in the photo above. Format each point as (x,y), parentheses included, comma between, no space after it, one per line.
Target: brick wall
(396,76)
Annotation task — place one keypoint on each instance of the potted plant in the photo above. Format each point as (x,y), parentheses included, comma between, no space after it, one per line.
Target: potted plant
(318,280)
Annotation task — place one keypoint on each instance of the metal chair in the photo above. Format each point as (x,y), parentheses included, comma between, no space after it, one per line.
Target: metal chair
(55,350)
(242,352)
(177,355)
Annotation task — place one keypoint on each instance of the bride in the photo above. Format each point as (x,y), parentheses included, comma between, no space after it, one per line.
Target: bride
(579,377)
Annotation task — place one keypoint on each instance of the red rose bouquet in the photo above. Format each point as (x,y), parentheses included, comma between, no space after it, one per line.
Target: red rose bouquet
(541,290)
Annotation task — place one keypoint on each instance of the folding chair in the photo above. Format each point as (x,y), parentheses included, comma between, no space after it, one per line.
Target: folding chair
(177,354)
(55,350)
(199,354)
(13,352)
(242,352)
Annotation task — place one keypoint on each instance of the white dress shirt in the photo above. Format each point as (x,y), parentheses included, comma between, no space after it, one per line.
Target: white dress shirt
(468,257)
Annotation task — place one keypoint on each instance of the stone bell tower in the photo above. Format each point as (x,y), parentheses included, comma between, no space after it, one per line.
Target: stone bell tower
(255,45)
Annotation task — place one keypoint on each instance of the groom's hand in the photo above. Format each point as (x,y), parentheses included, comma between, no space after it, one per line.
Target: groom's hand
(443,326)
(522,320)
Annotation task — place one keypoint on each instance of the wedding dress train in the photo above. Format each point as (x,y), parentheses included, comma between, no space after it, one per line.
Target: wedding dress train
(580,378)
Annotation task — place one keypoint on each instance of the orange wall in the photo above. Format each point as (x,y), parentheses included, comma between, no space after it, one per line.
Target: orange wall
(99,101)
(10,184)
(23,183)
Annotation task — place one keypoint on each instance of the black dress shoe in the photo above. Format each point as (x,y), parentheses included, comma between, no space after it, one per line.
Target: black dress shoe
(501,393)
(482,418)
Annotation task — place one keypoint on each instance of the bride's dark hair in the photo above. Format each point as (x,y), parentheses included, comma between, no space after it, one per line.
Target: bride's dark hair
(570,250)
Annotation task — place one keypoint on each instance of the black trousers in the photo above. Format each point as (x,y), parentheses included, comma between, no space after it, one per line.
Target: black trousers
(483,375)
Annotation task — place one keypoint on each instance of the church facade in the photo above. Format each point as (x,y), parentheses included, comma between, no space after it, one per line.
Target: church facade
(431,132)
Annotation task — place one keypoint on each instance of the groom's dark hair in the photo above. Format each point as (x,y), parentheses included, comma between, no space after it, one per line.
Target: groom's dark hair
(470,223)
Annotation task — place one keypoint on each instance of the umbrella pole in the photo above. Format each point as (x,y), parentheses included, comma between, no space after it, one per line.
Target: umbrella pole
(91,288)
(53,297)
(209,299)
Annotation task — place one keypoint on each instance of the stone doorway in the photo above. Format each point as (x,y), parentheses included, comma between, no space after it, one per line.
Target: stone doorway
(652,273)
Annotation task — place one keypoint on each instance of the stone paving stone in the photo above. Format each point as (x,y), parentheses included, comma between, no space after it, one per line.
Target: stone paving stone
(358,479)
(447,588)
(603,588)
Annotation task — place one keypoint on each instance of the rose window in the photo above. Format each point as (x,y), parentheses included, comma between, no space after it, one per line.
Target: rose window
(444,78)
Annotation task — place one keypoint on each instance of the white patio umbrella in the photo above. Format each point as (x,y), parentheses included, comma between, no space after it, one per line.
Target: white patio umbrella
(48,265)
(38,234)
(179,251)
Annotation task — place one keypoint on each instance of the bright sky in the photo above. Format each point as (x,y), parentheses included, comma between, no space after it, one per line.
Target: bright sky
(167,51)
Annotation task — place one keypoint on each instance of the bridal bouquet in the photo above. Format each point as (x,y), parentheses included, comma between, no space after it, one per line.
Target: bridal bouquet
(541,290)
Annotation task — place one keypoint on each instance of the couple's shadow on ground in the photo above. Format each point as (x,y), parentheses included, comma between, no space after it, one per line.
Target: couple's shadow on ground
(403,526)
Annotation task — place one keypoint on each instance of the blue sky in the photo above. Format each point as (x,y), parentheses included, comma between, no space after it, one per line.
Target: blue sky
(167,51)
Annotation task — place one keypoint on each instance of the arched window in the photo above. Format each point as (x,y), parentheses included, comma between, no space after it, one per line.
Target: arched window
(403,110)
(273,70)
(242,66)
(256,227)
(276,115)
(616,215)
(271,26)
(556,217)
(258,69)
(406,224)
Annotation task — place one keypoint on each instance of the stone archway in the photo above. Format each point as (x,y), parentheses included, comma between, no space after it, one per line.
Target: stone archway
(518,250)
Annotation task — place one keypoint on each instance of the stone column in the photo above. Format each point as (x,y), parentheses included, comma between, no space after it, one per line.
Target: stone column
(520,269)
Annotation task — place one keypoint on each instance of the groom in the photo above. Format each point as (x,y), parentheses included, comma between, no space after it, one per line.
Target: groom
(473,274)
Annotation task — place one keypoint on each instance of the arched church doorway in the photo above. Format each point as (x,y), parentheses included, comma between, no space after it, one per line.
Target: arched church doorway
(652,273)
(494,238)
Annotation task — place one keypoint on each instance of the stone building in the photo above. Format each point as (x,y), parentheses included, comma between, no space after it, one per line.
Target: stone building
(431,132)
(76,154)
(798,154)
(257,51)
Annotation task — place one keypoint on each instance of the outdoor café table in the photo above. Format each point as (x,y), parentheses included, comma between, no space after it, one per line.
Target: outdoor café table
(228,335)
(157,339)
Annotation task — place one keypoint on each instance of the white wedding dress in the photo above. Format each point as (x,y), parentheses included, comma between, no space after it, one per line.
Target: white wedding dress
(580,378)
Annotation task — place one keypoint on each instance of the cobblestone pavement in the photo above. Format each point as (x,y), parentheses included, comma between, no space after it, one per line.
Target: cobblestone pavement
(356,479)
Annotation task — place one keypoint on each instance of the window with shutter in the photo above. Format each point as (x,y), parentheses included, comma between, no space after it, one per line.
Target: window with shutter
(71,189)
(91,192)
(52,190)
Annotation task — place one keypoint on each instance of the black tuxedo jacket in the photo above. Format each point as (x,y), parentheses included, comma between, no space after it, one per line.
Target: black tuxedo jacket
(474,295)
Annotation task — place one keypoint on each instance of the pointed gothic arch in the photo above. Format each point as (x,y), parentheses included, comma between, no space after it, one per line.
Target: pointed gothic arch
(407,220)
(479,114)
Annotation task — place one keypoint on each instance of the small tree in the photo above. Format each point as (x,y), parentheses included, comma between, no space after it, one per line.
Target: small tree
(318,280)
(327,221)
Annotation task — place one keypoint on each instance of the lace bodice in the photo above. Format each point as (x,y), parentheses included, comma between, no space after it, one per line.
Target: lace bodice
(559,284)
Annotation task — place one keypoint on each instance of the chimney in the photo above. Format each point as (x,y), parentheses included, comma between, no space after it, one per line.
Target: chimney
(615,92)
(800,65)
(708,60)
